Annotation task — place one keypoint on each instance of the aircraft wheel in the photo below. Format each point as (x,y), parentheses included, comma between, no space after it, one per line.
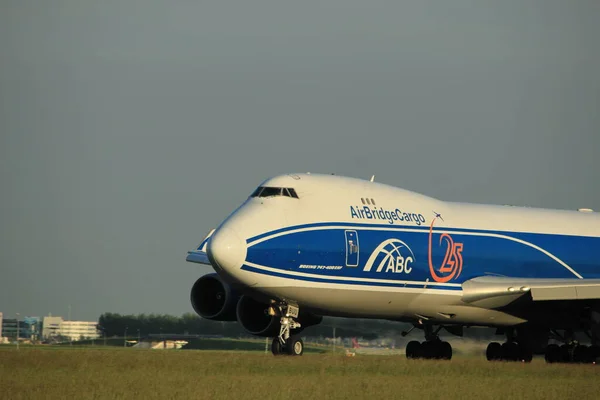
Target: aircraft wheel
(525,354)
(552,353)
(565,355)
(276,347)
(295,346)
(494,352)
(594,353)
(413,349)
(435,351)
(581,354)
(510,351)
(427,350)
(446,351)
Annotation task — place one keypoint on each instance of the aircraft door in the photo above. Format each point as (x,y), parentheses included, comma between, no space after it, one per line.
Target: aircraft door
(351,248)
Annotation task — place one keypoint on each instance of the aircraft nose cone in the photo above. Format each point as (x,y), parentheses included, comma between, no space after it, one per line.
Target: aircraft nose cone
(226,250)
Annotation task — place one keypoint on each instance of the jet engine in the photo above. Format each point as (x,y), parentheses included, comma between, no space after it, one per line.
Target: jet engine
(212,298)
(254,317)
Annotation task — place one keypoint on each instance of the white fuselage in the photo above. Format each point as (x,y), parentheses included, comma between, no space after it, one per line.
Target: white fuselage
(350,247)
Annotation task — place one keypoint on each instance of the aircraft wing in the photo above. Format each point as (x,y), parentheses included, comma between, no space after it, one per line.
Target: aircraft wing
(497,292)
(199,255)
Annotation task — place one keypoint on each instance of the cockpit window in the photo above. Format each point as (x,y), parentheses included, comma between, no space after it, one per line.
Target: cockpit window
(267,191)
(270,191)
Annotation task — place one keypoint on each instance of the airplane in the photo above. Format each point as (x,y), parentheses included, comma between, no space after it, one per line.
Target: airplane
(303,246)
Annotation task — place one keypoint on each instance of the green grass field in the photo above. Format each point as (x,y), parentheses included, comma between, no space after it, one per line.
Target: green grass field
(224,344)
(118,373)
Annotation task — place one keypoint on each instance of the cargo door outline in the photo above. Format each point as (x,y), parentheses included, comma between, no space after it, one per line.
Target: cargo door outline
(352,249)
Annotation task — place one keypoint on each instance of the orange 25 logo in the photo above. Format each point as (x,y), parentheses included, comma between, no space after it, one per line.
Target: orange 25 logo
(453,262)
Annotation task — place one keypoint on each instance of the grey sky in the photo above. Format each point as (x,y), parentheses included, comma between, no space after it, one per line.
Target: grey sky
(129,128)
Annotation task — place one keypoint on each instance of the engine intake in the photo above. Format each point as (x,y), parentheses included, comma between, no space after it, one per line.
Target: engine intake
(214,299)
(254,318)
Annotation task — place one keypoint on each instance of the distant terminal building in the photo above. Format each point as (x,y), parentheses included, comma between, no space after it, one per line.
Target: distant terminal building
(51,327)
(9,328)
(56,327)
(29,327)
(47,328)
(77,330)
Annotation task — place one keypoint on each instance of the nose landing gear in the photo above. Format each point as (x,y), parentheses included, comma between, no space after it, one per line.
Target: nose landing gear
(294,346)
(286,343)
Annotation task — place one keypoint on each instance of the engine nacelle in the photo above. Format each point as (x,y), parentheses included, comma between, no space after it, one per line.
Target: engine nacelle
(212,298)
(254,318)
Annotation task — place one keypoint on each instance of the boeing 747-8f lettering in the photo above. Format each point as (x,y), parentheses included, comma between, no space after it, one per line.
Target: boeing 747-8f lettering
(303,246)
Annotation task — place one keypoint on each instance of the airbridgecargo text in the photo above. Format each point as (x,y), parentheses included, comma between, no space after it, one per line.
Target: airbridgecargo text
(391,216)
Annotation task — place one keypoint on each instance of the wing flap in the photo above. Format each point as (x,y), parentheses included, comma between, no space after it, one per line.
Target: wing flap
(554,293)
(589,292)
(577,290)
(496,292)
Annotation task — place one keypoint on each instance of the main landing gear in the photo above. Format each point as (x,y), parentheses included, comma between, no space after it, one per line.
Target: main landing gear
(509,351)
(518,347)
(286,343)
(431,348)
(571,351)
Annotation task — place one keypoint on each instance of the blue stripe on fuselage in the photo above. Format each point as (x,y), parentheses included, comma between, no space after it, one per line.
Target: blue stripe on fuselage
(324,244)
(410,285)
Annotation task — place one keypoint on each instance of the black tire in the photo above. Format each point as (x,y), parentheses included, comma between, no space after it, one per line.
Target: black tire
(525,354)
(413,350)
(565,354)
(510,351)
(581,354)
(446,351)
(294,346)
(594,353)
(276,347)
(552,353)
(494,352)
(427,350)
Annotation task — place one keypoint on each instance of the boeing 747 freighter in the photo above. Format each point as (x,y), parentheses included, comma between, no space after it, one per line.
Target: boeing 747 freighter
(303,246)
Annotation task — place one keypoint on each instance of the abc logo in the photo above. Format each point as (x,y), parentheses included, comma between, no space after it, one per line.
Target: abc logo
(391,256)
